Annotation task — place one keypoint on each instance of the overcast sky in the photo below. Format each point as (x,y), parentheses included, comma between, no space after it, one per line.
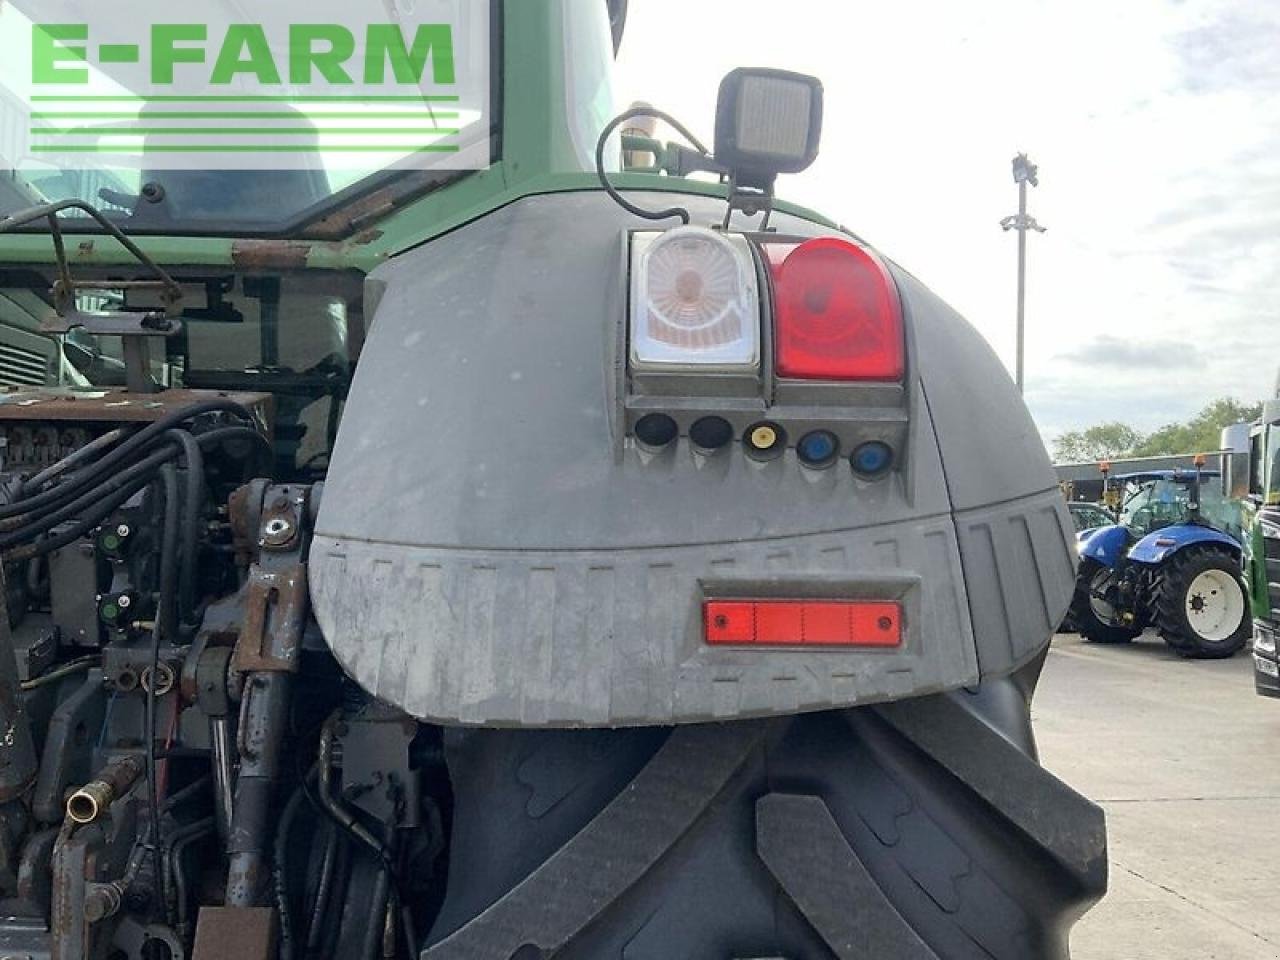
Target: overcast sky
(1156,126)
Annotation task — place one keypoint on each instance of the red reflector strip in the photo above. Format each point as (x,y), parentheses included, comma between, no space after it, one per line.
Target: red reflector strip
(803,623)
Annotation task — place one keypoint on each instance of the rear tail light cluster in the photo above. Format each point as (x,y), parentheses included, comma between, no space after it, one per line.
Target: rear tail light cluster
(696,312)
(695,303)
(801,623)
(836,312)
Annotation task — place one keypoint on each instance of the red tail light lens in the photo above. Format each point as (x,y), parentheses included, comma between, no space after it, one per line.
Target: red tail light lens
(836,312)
(803,623)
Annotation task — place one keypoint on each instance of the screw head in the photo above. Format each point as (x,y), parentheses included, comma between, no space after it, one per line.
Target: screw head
(123,530)
(123,601)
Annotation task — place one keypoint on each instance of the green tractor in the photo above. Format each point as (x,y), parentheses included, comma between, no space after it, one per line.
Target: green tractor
(536,560)
(1263,546)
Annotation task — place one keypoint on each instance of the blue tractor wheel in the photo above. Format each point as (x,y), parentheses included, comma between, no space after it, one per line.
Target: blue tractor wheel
(1200,604)
(1092,614)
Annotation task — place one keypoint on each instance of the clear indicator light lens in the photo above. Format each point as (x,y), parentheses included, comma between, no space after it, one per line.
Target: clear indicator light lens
(694,302)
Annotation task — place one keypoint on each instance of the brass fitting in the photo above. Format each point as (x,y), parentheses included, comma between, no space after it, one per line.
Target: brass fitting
(92,800)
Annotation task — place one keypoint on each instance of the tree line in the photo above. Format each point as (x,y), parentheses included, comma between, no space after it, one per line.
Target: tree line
(1116,440)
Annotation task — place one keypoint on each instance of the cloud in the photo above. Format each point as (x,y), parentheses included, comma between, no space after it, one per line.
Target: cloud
(1155,125)
(1129,355)
(1234,49)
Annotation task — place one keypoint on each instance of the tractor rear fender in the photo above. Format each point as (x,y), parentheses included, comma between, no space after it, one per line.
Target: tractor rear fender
(520,561)
(1159,546)
(1106,545)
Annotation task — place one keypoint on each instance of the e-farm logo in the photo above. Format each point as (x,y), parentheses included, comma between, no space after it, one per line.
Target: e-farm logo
(313,49)
(375,84)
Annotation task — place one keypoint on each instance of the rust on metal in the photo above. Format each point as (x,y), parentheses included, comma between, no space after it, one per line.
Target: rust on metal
(244,510)
(275,610)
(115,405)
(279,525)
(270,254)
(114,780)
(341,223)
(235,933)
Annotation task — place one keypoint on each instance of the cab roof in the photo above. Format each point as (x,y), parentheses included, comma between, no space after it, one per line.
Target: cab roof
(1178,476)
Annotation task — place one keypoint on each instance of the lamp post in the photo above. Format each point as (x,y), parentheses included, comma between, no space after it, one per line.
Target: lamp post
(1024,172)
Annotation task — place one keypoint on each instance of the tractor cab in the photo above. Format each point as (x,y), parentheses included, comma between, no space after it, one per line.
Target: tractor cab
(1173,561)
(1155,500)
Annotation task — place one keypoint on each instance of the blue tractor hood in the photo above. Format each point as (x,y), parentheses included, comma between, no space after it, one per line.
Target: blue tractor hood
(1106,545)
(1156,547)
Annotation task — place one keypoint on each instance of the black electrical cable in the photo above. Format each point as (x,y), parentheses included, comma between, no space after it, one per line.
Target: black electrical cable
(609,188)
(160,630)
(323,887)
(177,848)
(194,788)
(166,609)
(79,665)
(140,441)
(376,930)
(192,502)
(279,870)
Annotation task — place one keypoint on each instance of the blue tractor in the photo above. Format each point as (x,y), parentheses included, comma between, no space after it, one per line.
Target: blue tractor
(1173,561)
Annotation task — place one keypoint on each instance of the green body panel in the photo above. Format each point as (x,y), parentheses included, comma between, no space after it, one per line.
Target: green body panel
(425,219)
(1264,471)
(538,157)
(1257,571)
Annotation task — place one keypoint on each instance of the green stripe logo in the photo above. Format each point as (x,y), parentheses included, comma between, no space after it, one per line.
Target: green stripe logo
(138,88)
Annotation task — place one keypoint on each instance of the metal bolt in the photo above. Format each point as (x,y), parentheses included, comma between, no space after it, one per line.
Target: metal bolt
(101,901)
(123,601)
(123,530)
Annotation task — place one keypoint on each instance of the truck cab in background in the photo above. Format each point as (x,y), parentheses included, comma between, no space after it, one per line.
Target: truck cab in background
(1263,547)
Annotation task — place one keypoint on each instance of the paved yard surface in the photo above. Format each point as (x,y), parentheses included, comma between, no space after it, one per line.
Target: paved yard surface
(1186,761)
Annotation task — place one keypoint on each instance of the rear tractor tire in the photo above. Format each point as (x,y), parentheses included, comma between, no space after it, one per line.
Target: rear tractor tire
(1200,604)
(916,830)
(1094,618)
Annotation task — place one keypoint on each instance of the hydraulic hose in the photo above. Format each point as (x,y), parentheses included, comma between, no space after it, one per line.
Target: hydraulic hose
(104,499)
(141,440)
(160,631)
(280,876)
(344,818)
(46,521)
(87,452)
(192,501)
(222,434)
(72,534)
(324,885)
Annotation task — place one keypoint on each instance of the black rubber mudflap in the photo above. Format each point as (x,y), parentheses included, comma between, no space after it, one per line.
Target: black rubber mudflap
(915,830)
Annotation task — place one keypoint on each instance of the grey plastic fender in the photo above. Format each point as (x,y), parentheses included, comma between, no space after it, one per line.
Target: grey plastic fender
(488,551)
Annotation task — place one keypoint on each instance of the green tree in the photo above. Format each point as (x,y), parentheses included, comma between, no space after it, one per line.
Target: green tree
(1202,433)
(1102,441)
